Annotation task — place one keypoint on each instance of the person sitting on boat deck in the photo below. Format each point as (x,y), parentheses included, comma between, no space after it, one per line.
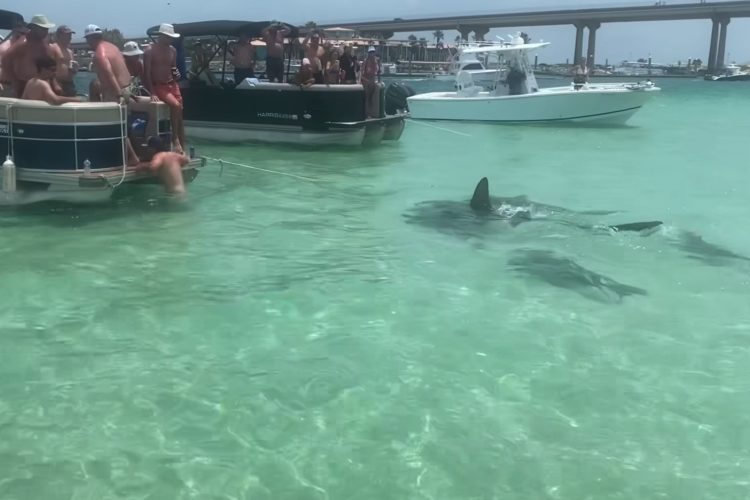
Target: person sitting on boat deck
(348,65)
(39,88)
(243,59)
(333,69)
(19,62)
(68,66)
(160,79)
(516,80)
(580,74)
(314,52)
(112,73)
(369,77)
(17,35)
(305,76)
(274,38)
(167,165)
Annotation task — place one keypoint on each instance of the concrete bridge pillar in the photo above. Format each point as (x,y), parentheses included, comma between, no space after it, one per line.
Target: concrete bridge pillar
(480,32)
(714,46)
(464,31)
(722,44)
(591,51)
(578,52)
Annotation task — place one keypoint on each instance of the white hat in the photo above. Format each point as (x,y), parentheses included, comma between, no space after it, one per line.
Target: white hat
(371,49)
(305,61)
(168,30)
(41,21)
(131,49)
(91,30)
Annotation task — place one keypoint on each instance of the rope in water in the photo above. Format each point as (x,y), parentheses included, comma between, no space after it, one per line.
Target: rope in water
(223,162)
(440,128)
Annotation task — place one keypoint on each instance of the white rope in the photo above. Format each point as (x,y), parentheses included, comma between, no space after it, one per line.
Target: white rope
(440,128)
(124,133)
(222,162)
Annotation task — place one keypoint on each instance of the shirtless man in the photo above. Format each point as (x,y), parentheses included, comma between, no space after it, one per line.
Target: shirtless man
(243,59)
(167,165)
(19,62)
(160,79)
(68,66)
(112,73)
(132,54)
(274,38)
(18,34)
(314,52)
(369,77)
(39,88)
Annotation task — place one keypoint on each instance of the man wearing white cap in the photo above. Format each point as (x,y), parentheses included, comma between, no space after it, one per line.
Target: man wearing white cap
(112,73)
(19,62)
(132,54)
(369,77)
(160,79)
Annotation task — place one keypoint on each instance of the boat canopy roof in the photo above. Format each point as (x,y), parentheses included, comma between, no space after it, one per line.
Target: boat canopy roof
(253,29)
(505,48)
(9,20)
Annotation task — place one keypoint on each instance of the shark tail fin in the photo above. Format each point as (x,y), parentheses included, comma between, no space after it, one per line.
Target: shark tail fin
(481,199)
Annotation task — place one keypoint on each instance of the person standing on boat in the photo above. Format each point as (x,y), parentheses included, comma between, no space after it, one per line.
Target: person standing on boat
(17,35)
(274,38)
(243,58)
(112,74)
(580,74)
(348,65)
(39,88)
(68,66)
(314,52)
(19,62)
(370,74)
(160,79)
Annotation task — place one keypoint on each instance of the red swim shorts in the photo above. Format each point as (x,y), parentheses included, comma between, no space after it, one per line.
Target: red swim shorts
(168,93)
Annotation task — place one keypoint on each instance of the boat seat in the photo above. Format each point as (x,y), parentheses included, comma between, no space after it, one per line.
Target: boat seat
(465,85)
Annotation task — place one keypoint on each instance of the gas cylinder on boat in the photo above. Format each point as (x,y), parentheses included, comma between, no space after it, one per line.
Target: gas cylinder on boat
(9,175)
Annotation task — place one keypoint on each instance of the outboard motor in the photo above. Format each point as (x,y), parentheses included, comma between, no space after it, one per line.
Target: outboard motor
(395,98)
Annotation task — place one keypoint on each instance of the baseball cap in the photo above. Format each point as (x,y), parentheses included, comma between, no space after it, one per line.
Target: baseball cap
(64,28)
(91,30)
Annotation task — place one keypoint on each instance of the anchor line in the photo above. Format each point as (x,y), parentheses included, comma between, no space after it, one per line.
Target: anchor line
(223,162)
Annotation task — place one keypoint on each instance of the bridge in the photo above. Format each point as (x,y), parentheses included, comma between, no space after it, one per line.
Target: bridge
(719,13)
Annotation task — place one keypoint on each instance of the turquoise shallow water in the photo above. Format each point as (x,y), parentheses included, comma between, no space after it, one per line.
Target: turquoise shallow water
(288,339)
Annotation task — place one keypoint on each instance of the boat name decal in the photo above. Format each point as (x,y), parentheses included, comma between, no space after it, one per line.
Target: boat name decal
(283,116)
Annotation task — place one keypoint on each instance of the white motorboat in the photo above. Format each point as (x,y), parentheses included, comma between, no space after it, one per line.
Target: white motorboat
(517,97)
(732,73)
(469,61)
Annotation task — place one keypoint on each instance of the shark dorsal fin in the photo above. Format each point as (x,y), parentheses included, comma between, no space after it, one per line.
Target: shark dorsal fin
(481,199)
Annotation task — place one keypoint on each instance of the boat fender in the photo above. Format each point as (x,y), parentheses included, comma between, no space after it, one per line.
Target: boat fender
(9,175)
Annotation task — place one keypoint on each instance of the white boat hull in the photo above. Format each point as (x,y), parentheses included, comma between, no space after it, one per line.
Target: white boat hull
(608,104)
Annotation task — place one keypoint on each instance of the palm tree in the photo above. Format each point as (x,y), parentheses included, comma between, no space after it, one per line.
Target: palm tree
(311,26)
(439,35)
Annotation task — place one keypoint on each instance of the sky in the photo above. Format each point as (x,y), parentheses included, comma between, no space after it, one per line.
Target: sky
(665,42)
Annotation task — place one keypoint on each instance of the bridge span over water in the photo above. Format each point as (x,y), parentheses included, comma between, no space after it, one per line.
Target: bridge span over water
(719,13)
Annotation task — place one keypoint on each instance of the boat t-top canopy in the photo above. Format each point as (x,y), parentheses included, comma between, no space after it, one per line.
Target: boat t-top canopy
(504,48)
(10,20)
(226,28)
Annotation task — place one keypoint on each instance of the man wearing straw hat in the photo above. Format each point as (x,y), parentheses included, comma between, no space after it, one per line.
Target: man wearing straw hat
(19,62)
(160,79)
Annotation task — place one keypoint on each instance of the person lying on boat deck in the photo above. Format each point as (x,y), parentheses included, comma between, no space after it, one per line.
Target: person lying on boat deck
(274,35)
(66,70)
(167,165)
(314,52)
(19,62)
(160,79)
(17,35)
(305,76)
(348,65)
(113,75)
(39,88)
(243,59)
(580,73)
(516,80)
(370,73)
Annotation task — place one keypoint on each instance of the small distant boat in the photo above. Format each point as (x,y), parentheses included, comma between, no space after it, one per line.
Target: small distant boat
(732,73)
(517,98)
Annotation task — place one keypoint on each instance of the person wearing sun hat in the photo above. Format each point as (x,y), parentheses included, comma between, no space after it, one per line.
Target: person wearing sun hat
(19,62)
(132,54)
(68,66)
(160,78)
